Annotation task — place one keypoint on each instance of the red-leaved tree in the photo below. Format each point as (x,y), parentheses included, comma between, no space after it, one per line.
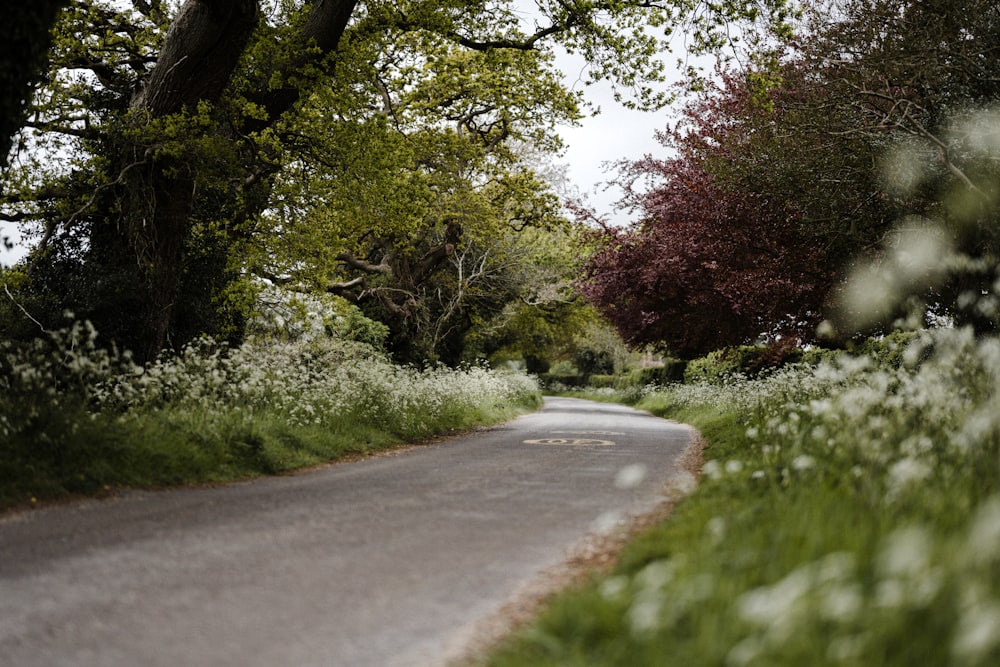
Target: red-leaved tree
(707,268)
(734,240)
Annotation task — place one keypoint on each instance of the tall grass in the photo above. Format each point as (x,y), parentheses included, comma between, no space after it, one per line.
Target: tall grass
(75,418)
(848,514)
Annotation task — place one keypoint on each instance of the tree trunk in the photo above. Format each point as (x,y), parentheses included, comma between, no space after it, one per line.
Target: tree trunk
(200,52)
(25,35)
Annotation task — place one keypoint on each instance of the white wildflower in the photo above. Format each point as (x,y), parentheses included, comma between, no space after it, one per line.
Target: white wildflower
(905,472)
(983,541)
(657,574)
(716,528)
(744,652)
(712,469)
(906,552)
(613,587)
(842,603)
(644,614)
(803,462)
(977,632)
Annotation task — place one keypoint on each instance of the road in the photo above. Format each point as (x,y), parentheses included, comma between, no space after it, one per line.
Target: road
(385,562)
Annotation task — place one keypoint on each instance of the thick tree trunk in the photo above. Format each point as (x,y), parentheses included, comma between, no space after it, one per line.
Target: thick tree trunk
(25,35)
(200,53)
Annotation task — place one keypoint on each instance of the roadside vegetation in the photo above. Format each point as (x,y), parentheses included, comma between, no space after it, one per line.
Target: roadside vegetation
(76,418)
(387,164)
(848,514)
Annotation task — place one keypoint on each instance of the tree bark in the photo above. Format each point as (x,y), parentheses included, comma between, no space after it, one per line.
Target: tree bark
(25,35)
(200,53)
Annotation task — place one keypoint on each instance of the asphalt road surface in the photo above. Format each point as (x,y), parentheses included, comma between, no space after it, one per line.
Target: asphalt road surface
(385,562)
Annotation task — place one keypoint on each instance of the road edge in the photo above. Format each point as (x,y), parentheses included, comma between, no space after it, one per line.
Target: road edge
(595,553)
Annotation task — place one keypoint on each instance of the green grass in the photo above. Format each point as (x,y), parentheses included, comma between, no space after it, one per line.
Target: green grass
(182,446)
(78,420)
(847,515)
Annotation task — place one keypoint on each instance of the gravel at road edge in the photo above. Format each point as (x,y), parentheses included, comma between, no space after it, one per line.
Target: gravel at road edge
(596,553)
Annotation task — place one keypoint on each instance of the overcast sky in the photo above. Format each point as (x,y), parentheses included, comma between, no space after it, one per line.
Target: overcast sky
(600,141)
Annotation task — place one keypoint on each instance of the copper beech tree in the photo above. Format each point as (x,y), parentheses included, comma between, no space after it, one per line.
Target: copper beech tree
(733,241)
(808,159)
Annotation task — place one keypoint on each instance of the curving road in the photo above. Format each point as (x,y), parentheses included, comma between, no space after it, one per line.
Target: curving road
(385,562)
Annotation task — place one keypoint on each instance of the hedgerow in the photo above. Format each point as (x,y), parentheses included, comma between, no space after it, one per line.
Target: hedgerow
(76,417)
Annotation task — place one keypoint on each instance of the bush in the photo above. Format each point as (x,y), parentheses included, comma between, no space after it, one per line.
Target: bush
(594,362)
(601,381)
(551,380)
(746,360)
(670,372)
(75,417)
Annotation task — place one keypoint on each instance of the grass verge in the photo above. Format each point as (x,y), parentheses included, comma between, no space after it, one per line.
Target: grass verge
(75,419)
(848,514)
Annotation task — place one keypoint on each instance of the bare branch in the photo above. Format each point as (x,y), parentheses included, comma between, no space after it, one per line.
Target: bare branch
(21,308)
(382,268)
(347,288)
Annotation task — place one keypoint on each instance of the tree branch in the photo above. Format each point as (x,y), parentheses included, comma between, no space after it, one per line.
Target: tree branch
(383,267)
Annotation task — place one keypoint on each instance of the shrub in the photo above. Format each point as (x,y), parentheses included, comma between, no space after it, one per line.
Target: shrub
(670,372)
(747,360)
(74,417)
(601,381)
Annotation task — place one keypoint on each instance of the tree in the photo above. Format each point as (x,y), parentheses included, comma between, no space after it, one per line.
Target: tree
(920,80)
(705,269)
(417,219)
(740,237)
(790,171)
(179,131)
(24,44)
(547,318)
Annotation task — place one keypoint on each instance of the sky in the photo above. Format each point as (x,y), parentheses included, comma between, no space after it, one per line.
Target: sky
(593,147)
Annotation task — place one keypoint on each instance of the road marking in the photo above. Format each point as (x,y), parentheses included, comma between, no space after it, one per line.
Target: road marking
(571,441)
(590,432)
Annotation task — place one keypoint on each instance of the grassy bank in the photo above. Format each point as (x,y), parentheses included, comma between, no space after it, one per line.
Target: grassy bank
(848,514)
(78,419)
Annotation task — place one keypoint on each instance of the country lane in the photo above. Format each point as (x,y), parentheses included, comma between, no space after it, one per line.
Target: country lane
(386,562)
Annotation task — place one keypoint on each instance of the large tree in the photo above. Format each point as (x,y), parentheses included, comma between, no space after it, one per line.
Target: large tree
(805,161)
(741,234)
(418,217)
(706,268)
(177,132)
(919,78)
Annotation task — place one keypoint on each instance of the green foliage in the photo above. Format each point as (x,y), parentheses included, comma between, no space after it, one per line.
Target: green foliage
(889,350)
(748,360)
(672,370)
(713,367)
(847,514)
(353,325)
(558,382)
(79,418)
(594,362)
(548,323)
(374,133)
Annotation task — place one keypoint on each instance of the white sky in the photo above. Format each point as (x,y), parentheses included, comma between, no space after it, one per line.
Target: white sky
(600,141)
